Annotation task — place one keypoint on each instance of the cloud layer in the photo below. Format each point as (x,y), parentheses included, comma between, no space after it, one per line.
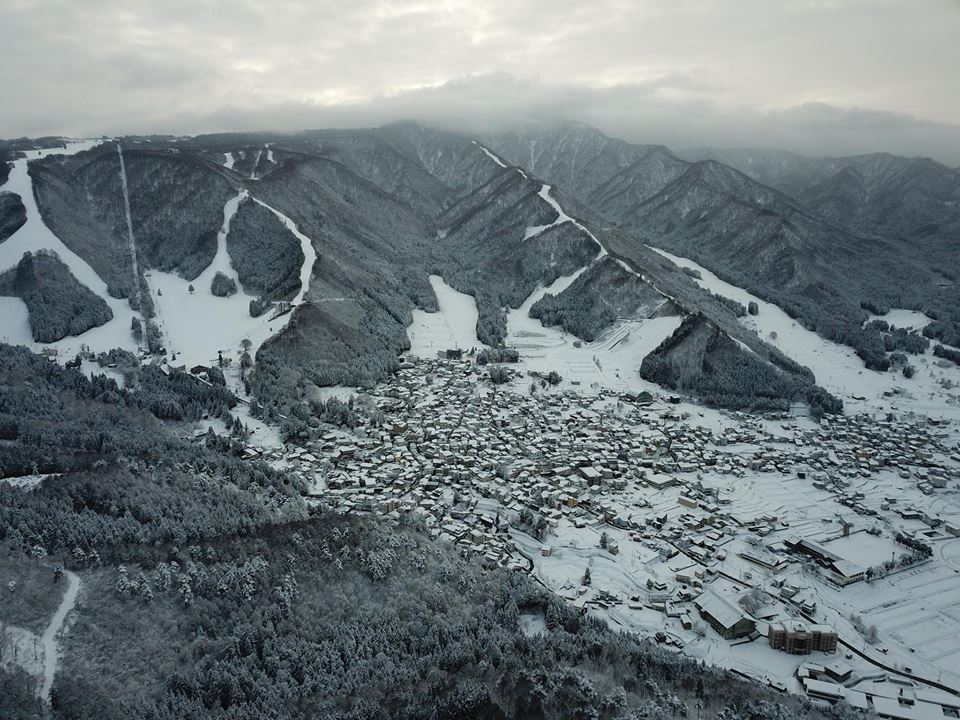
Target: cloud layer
(816,76)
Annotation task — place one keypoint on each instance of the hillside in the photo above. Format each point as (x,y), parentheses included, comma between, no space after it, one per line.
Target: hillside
(58,305)
(908,198)
(12,214)
(383,209)
(823,239)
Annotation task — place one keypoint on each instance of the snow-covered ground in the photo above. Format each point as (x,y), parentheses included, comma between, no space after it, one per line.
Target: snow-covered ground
(35,235)
(453,326)
(228,160)
(612,361)
(22,649)
(39,655)
(917,611)
(901,318)
(837,367)
(26,482)
(197,325)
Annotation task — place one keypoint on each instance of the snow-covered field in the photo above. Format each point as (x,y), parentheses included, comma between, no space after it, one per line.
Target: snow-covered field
(35,235)
(909,319)
(453,326)
(197,325)
(837,367)
(612,361)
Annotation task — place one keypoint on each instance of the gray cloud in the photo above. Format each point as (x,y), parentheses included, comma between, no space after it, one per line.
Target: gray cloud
(816,76)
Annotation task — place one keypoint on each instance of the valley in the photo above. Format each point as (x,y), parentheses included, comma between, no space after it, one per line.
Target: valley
(430,336)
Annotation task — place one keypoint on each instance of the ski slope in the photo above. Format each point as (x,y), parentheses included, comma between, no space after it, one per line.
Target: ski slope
(611,361)
(837,367)
(198,325)
(35,235)
(453,326)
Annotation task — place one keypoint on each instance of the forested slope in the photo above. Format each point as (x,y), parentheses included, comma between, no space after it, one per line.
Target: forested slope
(12,214)
(57,303)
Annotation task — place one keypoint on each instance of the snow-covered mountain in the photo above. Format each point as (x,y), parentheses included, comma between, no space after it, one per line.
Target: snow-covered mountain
(322,244)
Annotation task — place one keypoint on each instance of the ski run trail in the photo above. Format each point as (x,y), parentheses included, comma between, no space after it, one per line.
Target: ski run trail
(198,325)
(545,193)
(256,161)
(195,325)
(51,652)
(34,235)
(133,248)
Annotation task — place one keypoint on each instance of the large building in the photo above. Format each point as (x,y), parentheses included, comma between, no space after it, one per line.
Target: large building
(839,570)
(727,619)
(798,638)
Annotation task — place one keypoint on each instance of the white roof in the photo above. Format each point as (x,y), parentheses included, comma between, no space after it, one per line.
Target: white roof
(719,609)
(891,708)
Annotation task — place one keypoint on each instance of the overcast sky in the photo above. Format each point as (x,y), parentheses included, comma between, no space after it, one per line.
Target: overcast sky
(817,76)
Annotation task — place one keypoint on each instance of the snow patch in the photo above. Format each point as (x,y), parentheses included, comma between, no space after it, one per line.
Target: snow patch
(908,319)
(490,155)
(497,160)
(256,161)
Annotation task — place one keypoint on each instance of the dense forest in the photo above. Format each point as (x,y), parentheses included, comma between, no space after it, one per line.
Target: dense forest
(266,255)
(222,285)
(12,213)
(604,293)
(57,303)
(699,358)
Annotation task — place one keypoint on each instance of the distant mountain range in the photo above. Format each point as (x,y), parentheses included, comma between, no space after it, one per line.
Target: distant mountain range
(497,216)
(820,237)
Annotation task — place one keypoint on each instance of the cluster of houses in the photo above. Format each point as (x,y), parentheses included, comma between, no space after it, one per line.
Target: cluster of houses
(471,461)
(440,444)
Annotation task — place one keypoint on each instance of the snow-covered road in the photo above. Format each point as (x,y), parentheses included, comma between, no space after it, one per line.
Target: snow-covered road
(51,651)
